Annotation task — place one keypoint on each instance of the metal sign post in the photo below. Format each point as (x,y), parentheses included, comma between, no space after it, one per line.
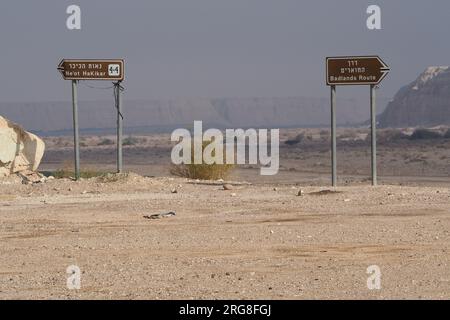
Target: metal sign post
(333,137)
(359,70)
(75,129)
(118,97)
(373,134)
(88,69)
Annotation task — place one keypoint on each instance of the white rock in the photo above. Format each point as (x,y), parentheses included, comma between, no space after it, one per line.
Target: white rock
(20,150)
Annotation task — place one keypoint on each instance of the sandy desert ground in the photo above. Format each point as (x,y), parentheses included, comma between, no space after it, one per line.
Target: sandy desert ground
(259,240)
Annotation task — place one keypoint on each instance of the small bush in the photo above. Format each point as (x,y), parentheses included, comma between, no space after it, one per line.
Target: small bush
(130,141)
(425,134)
(298,139)
(202,171)
(106,142)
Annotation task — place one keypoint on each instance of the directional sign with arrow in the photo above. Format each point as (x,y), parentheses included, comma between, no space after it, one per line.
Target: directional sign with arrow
(92,69)
(365,70)
(355,70)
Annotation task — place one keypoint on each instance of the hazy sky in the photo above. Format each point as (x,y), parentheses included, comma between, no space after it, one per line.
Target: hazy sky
(215,48)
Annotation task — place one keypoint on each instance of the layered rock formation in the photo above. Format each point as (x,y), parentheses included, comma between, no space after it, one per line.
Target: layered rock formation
(424,102)
(166,115)
(20,151)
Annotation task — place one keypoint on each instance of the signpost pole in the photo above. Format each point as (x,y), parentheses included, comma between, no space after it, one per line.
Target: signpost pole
(119,126)
(373,117)
(333,137)
(75,129)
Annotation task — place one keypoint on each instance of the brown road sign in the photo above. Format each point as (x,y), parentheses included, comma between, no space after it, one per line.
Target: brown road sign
(362,70)
(85,69)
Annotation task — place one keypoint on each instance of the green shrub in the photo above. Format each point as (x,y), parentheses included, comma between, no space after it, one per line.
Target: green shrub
(130,141)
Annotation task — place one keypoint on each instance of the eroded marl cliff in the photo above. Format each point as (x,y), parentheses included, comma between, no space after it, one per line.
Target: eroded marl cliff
(168,114)
(424,102)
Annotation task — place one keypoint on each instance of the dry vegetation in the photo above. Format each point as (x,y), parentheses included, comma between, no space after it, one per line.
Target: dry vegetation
(202,171)
(67,172)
